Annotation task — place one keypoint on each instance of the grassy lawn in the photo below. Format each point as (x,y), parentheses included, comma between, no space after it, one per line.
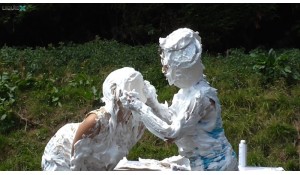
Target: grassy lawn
(44,88)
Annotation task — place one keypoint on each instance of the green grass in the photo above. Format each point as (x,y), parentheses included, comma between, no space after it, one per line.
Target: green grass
(57,85)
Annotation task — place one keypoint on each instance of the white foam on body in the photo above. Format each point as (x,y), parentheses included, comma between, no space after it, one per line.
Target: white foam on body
(193,120)
(117,133)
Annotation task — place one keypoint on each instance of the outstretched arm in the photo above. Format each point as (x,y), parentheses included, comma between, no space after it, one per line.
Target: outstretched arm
(183,120)
(162,111)
(154,124)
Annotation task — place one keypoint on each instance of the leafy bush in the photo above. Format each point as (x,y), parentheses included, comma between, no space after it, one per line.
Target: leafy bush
(273,66)
(7,100)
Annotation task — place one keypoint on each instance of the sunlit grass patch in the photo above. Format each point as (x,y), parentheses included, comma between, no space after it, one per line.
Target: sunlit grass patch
(49,87)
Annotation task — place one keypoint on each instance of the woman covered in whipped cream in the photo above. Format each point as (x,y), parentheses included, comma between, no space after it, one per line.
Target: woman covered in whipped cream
(105,136)
(193,121)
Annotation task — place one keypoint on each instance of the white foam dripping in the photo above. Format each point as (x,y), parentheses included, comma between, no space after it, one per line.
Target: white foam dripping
(118,130)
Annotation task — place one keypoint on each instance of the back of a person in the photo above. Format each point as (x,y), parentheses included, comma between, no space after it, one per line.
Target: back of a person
(57,153)
(105,136)
(110,145)
(101,152)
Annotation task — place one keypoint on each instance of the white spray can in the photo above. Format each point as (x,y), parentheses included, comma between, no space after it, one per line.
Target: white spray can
(242,153)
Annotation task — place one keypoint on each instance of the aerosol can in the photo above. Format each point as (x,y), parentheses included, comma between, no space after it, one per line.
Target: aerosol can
(242,154)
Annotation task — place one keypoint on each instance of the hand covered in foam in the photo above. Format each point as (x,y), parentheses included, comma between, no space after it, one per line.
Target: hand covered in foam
(129,99)
(149,90)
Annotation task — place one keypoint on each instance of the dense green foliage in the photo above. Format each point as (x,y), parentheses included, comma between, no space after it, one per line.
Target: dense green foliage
(222,26)
(44,88)
(273,66)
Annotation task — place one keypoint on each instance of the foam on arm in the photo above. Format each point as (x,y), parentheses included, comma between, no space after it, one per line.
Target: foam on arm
(154,124)
(160,110)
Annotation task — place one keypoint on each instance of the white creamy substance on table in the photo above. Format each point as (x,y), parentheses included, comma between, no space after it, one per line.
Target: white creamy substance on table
(174,163)
(193,120)
(118,132)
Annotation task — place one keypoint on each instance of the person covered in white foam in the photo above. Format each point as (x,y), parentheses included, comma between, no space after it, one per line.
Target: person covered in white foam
(193,121)
(105,136)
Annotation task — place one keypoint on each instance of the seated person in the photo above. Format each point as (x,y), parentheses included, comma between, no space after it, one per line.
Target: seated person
(105,136)
(193,121)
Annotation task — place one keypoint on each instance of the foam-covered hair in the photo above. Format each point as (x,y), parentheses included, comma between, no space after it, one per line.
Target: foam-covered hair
(182,46)
(116,82)
(181,52)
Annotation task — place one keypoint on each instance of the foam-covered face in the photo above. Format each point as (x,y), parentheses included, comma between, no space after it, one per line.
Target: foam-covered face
(123,79)
(180,57)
